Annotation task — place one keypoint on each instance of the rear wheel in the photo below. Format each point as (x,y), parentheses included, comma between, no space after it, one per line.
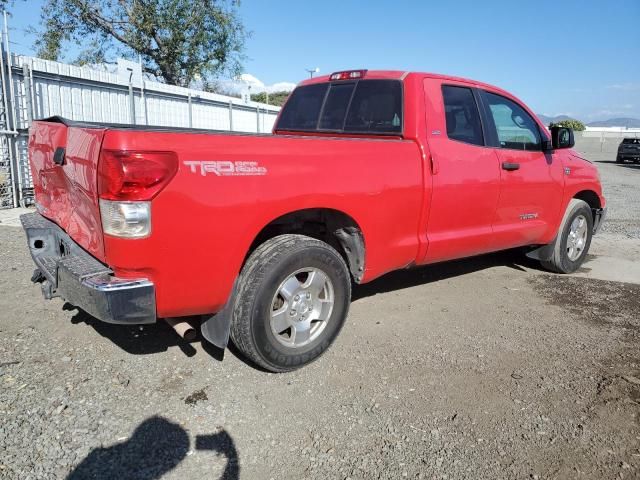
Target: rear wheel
(292,300)
(573,240)
(619,159)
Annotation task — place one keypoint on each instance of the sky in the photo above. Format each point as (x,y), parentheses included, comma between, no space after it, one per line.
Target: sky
(574,57)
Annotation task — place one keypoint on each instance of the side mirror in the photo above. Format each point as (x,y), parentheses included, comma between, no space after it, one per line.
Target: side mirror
(562,137)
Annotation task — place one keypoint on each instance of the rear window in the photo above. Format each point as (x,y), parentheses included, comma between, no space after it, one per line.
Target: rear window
(303,108)
(631,141)
(335,106)
(365,106)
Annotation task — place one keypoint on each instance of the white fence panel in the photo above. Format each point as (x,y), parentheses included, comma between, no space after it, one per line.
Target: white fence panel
(42,89)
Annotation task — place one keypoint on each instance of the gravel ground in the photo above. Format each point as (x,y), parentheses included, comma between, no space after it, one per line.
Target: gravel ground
(483,368)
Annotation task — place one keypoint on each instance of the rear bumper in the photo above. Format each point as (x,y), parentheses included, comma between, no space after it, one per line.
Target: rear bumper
(68,271)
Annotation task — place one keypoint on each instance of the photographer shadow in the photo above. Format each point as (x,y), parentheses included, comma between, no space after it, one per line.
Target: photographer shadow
(156,447)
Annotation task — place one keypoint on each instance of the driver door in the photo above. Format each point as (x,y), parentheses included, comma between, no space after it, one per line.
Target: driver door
(531,181)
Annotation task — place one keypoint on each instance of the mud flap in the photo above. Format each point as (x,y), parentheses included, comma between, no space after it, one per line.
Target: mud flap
(543,253)
(216,328)
(351,240)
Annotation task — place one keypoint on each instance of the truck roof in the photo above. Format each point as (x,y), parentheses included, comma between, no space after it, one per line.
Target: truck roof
(402,74)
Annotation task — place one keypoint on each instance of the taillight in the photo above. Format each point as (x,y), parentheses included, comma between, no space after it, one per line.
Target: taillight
(134,175)
(127,181)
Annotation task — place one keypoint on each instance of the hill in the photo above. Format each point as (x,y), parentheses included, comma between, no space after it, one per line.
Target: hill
(547,120)
(612,122)
(617,122)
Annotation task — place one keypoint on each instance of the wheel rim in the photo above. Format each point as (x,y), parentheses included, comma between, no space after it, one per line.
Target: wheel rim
(577,238)
(301,307)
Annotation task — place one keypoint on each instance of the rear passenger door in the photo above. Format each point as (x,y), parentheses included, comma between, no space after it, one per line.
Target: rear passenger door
(465,173)
(531,181)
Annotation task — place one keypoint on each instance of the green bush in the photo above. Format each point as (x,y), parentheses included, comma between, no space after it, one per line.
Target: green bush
(275,98)
(575,125)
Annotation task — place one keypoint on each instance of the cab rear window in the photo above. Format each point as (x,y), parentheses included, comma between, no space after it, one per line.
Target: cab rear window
(364,106)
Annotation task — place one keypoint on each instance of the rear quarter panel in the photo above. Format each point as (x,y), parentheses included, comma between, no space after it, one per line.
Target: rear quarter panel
(203,225)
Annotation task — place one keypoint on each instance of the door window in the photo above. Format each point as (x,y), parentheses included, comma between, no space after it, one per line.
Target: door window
(516,129)
(461,112)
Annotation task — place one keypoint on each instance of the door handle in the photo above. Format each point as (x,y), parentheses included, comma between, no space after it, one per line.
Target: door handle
(510,166)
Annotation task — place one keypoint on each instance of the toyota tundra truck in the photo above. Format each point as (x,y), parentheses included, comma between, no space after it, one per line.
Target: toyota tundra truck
(260,237)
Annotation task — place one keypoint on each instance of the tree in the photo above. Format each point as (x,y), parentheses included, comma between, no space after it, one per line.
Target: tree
(177,40)
(214,86)
(576,125)
(275,98)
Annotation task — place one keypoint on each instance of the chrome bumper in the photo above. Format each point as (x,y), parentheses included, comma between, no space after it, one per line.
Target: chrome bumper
(66,270)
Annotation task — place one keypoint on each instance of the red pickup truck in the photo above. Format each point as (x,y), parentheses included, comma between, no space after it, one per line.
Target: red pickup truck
(261,236)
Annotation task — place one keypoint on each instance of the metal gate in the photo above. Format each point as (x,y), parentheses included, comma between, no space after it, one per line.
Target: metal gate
(8,162)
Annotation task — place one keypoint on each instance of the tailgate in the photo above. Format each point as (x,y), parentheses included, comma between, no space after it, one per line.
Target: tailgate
(65,187)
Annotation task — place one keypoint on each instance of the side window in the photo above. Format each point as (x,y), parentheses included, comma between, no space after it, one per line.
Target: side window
(515,127)
(461,112)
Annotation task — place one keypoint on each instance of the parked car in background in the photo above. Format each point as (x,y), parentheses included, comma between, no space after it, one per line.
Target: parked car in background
(261,236)
(629,149)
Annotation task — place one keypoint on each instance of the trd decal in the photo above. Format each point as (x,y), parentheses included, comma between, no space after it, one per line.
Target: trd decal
(528,216)
(225,168)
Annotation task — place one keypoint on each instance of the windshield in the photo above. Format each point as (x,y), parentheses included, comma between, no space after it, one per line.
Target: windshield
(364,106)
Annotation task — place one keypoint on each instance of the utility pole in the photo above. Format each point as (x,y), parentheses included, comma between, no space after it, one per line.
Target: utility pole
(311,71)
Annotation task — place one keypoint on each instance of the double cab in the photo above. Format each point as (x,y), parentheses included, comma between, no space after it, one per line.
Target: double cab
(260,237)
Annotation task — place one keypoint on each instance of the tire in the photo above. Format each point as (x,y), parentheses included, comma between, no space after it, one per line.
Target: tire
(285,274)
(619,159)
(564,260)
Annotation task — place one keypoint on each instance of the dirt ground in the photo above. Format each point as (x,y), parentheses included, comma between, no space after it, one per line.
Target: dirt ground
(482,368)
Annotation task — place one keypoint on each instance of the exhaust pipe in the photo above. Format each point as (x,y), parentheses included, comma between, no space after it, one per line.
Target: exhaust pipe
(182,328)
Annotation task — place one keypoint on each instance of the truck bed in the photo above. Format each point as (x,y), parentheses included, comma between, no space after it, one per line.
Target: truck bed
(377,180)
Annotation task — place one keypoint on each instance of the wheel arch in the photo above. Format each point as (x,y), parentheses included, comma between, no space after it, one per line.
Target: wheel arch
(335,227)
(590,197)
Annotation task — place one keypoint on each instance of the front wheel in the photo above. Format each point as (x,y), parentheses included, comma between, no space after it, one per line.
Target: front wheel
(293,298)
(573,240)
(619,159)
